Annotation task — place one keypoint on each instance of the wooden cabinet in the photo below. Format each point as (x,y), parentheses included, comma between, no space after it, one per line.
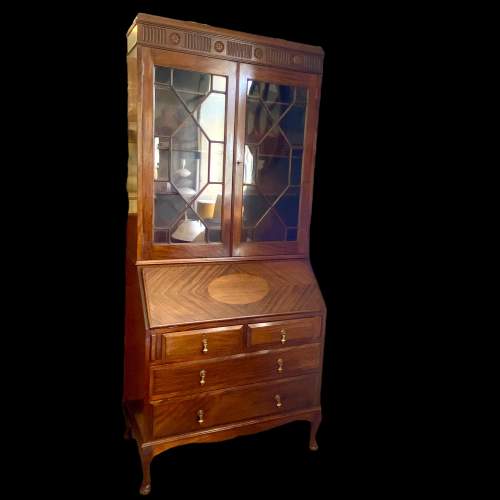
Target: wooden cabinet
(225,322)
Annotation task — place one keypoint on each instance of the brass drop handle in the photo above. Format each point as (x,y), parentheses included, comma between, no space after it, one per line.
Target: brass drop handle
(280,365)
(201,414)
(279,404)
(283,336)
(205,346)
(202,377)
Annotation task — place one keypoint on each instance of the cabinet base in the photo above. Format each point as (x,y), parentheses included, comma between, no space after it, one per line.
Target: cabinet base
(148,449)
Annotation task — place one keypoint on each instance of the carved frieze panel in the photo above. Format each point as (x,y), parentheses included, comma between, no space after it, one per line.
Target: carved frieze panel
(175,38)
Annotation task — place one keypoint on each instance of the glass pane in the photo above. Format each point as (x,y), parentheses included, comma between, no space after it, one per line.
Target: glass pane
(162,159)
(258,121)
(277,93)
(192,101)
(219,83)
(189,229)
(187,166)
(270,228)
(209,204)
(188,137)
(209,208)
(272,176)
(291,234)
(191,81)
(293,124)
(296,171)
(275,144)
(254,206)
(216,162)
(211,116)
(287,206)
(277,110)
(300,95)
(275,123)
(163,75)
(169,112)
(189,160)
(250,163)
(168,207)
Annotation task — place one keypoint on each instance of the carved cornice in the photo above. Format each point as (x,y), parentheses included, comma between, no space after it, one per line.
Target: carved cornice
(243,48)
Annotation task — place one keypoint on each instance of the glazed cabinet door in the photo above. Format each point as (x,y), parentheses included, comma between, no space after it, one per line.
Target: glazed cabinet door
(188,107)
(276,142)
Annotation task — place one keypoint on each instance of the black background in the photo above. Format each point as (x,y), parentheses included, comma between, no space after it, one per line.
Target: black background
(357,247)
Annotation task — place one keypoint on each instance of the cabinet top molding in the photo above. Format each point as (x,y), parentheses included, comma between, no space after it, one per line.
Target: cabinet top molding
(191,37)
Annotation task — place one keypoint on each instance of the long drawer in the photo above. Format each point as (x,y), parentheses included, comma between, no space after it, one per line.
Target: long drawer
(195,413)
(199,376)
(280,333)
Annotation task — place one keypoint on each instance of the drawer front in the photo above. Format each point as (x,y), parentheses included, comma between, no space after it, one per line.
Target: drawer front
(179,416)
(202,344)
(280,333)
(213,374)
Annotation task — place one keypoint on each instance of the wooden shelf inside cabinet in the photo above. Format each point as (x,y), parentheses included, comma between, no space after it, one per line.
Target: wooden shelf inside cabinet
(225,322)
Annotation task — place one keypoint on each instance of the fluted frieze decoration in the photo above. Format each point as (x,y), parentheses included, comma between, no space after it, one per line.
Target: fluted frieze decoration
(195,40)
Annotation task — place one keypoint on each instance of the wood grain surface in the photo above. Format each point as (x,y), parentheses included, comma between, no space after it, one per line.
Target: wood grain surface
(240,369)
(178,294)
(178,416)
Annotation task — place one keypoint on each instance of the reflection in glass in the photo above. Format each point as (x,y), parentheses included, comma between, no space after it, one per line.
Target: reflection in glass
(167,209)
(254,206)
(219,83)
(249,165)
(272,172)
(270,228)
(287,206)
(188,164)
(192,101)
(272,176)
(191,81)
(163,75)
(211,116)
(169,112)
(189,229)
(293,124)
(258,121)
(216,162)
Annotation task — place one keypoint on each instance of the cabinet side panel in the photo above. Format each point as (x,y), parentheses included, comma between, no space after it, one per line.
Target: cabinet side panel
(132,131)
(134,369)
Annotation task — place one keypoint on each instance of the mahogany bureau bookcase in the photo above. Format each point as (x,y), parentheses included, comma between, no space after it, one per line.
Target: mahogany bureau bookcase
(225,322)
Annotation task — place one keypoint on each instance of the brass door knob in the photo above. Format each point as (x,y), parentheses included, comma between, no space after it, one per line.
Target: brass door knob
(280,365)
(202,377)
(283,336)
(277,398)
(205,346)
(201,414)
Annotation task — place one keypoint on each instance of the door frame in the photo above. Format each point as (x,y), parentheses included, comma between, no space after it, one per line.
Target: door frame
(312,82)
(147,249)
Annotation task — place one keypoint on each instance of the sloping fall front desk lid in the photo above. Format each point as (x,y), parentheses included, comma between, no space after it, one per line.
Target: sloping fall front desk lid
(176,294)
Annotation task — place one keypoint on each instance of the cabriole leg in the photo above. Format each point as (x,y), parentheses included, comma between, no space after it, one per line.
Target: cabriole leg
(313,445)
(146,457)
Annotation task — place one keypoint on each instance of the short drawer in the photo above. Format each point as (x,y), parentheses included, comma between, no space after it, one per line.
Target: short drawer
(202,344)
(200,376)
(279,333)
(179,416)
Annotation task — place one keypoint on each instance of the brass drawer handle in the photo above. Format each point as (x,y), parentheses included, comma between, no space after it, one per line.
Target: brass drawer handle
(280,365)
(202,377)
(283,336)
(201,414)
(205,346)
(279,404)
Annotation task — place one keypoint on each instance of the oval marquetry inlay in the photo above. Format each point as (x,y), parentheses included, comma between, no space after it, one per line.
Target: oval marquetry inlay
(240,288)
